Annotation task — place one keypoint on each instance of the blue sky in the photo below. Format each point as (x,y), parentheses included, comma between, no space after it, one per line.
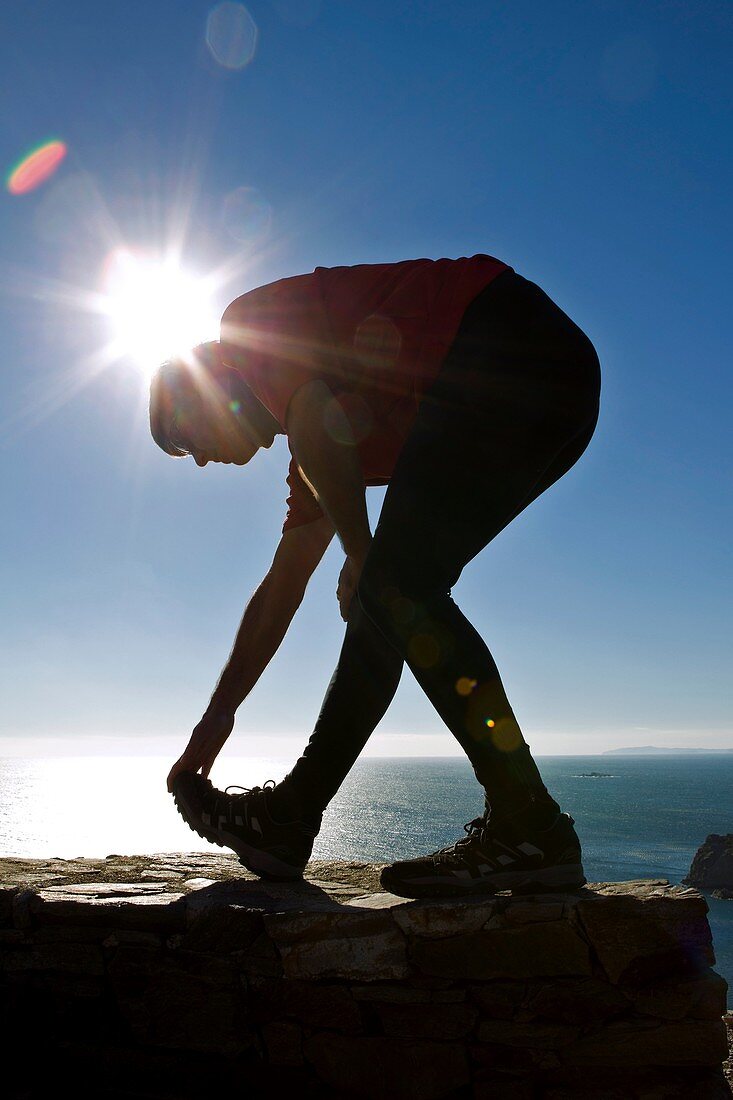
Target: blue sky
(584,144)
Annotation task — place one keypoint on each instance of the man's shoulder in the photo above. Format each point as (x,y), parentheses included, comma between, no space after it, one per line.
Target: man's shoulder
(269,294)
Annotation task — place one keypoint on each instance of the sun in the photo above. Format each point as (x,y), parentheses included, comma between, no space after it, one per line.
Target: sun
(155,308)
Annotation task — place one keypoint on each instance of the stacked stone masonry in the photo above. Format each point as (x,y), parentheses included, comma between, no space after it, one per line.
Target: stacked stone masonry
(165,976)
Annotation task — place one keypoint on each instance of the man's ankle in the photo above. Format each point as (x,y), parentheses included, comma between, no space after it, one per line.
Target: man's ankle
(285,806)
(538,812)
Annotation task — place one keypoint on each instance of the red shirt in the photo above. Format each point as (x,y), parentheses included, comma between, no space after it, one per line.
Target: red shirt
(376,334)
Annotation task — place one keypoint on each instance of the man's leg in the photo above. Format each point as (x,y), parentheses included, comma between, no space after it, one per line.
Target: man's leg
(360,691)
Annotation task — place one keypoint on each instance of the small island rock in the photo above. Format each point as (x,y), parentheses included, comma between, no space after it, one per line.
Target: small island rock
(712,866)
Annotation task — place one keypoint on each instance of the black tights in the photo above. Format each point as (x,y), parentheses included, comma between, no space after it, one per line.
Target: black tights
(513,408)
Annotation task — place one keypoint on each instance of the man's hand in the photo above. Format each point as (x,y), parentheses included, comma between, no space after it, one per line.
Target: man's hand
(347,584)
(205,743)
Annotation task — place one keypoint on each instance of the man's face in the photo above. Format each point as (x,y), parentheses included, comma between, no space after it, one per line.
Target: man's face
(211,431)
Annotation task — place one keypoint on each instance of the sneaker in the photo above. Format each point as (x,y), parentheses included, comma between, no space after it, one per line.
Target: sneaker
(243,823)
(490,858)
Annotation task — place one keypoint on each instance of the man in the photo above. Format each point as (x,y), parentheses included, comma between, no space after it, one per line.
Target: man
(466,389)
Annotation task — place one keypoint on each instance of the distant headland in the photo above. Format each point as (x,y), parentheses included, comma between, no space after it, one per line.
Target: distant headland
(656,750)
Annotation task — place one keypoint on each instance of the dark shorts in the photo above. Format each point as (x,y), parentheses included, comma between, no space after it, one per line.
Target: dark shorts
(513,408)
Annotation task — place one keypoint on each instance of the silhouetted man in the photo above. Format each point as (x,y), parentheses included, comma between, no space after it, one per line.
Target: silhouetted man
(466,389)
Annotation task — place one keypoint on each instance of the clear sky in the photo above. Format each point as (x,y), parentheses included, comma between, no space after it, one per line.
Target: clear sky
(586,144)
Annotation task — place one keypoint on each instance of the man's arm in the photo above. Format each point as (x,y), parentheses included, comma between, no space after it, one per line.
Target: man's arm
(264,625)
(331,469)
(270,610)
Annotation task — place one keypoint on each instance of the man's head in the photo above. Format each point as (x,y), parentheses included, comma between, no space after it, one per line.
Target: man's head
(200,407)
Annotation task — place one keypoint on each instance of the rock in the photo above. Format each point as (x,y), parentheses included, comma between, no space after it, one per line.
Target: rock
(498,1000)
(12,935)
(222,928)
(388,993)
(65,958)
(7,895)
(649,935)
(158,910)
(371,957)
(133,890)
(702,998)
(712,864)
(427,1021)
(431,918)
(327,1006)
(362,946)
(584,1001)
(649,1043)
(283,1044)
(381,1068)
(530,1036)
(192,1004)
(535,950)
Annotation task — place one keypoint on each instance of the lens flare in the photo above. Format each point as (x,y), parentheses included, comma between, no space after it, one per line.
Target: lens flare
(423,650)
(36,167)
(348,419)
(377,342)
(506,737)
(246,216)
(231,35)
(465,685)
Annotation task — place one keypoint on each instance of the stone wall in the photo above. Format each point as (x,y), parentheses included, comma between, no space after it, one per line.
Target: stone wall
(164,976)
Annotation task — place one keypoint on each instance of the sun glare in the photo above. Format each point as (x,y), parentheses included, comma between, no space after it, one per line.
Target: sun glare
(156,310)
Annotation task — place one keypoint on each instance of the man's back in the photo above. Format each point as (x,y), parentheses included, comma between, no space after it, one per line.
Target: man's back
(380,329)
(376,334)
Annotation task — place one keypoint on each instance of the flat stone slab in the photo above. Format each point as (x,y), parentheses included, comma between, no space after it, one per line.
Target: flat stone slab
(184,872)
(334,876)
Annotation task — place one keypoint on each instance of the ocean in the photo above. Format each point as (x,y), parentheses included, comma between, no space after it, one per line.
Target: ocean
(637,816)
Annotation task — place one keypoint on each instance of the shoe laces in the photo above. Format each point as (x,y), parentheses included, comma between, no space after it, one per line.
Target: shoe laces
(268,785)
(474,831)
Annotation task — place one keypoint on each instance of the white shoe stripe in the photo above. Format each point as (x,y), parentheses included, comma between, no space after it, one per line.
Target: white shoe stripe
(506,847)
(529,849)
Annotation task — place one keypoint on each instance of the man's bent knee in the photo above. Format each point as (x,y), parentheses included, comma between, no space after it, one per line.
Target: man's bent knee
(395,604)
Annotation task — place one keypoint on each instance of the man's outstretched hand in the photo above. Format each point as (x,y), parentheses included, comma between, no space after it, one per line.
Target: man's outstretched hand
(205,743)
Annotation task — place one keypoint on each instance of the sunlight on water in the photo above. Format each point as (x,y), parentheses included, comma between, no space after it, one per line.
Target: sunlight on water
(97,805)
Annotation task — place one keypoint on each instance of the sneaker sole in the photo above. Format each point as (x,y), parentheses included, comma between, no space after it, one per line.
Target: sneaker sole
(186,802)
(555,880)
(260,862)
